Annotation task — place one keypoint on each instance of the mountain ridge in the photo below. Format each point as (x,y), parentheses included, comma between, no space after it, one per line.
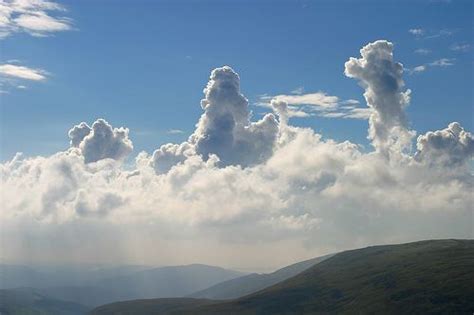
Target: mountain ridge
(433,276)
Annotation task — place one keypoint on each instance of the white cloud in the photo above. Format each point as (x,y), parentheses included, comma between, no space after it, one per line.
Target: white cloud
(100,141)
(350,102)
(440,33)
(298,90)
(382,80)
(450,146)
(35,17)
(225,129)
(422,51)
(460,47)
(175,131)
(443,62)
(418,69)
(300,192)
(420,33)
(416,31)
(22,72)
(320,100)
(358,113)
(169,155)
(312,104)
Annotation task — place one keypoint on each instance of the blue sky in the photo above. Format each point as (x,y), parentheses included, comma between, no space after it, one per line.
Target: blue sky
(144,64)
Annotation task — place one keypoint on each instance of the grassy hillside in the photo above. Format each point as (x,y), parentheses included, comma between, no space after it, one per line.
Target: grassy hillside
(428,277)
(30,302)
(248,284)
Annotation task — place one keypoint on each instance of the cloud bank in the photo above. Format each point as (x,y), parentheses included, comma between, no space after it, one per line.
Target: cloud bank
(255,188)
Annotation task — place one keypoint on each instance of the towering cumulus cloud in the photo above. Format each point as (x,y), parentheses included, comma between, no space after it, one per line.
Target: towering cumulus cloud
(237,185)
(224,128)
(100,141)
(382,80)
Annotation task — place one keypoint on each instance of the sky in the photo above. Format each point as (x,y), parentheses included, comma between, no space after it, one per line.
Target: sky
(224,128)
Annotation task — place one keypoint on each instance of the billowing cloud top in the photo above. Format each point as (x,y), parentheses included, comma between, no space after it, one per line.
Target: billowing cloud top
(224,129)
(382,79)
(448,147)
(235,181)
(101,141)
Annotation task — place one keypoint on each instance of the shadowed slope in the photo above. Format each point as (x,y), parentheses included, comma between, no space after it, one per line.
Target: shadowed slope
(30,302)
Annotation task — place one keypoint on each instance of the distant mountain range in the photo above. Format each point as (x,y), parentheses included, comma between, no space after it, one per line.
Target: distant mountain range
(95,286)
(254,282)
(427,277)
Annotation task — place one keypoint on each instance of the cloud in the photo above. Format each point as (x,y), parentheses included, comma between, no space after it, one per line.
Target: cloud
(313,104)
(421,33)
(422,51)
(175,131)
(235,181)
(358,113)
(460,47)
(418,69)
(319,100)
(416,31)
(382,80)
(450,147)
(35,17)
(22,72)
(443,62)
(298,90)
(440,33)
(100,141)
(225,129)
(169,155)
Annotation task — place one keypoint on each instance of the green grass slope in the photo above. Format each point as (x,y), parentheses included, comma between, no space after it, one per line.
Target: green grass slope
(150,306)
(427,277)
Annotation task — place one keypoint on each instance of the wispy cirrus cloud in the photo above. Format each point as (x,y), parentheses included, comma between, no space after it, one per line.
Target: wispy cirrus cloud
(443,63)
(421,33)
(175,132)
(318,100)
(460,47)
(422,51)
(440,33)
(35,17)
